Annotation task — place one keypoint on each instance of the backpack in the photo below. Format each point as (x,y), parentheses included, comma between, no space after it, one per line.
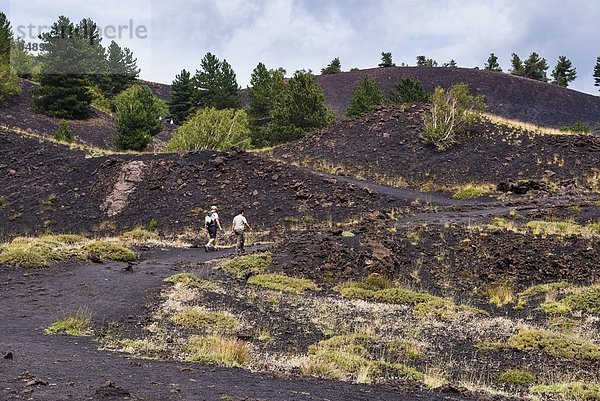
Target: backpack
(209,222)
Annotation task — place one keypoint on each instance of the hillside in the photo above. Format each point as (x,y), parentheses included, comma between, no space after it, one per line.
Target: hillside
(385,147)
(506,95)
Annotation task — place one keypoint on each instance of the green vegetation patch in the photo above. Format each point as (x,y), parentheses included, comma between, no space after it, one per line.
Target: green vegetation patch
(472,191)
(217,350)
(190,280)
(139,234)
(3,202)
(139,348)
(282,282)
(555,344)
(209,321)
(570,391)
(516,376)
(256,263)
(33,253)
(110,251)
(78,324)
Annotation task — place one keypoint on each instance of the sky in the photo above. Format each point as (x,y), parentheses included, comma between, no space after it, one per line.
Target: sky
(167,36)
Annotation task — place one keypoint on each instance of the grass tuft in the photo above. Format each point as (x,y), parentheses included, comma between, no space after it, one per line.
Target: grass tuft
(218,322)
(240,266)
(110,251)
(471,191)
(280,282)
(516,376)
(78,324)
(139,234)
(217,350)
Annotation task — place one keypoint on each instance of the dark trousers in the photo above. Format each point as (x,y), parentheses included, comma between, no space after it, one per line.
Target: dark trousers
(240,237)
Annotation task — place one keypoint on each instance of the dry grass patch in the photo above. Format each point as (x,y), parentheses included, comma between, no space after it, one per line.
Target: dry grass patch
(191,281)
(139,235)
(471,191)
(110,251)
(35,253)
(217,350)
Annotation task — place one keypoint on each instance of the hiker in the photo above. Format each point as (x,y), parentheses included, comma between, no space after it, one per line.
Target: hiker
(239,226)
(211,223)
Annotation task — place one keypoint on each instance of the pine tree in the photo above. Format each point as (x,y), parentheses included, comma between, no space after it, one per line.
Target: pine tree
(182,102)
(535,68)
(6,39)
(365,97)
(597,72)
(564,72)
(65,73)
(300,110)
(63,134)
(216,85)
(138,113)
(122,68)
(450,64)
(335,67)
(423,61)
(386,60)
(492,63)
(517,67)
(408,90)
(267,87)
(9,83)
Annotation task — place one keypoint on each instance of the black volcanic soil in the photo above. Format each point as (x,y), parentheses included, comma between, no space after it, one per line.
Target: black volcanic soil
(47,185)
(386,143)
(57,368)
(506,95)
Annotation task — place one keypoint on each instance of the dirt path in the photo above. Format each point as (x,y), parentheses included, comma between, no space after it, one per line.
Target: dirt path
(57,368)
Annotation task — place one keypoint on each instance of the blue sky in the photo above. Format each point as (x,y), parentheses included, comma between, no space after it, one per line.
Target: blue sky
(308,34)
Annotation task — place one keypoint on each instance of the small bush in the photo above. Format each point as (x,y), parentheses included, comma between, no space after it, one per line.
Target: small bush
(153,225)
(280,282)
(408,90)
(577,126)
(472,191)
(572,391)
(222,351)
(110,251)
(450,113)
(78,324)
(3,202)
(190,280)
(515,376)
(248,264)
(63,134)
(402,296)
(555,344)
(213,321)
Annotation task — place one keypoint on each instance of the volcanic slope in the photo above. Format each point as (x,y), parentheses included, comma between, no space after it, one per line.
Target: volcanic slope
(98,130)
(506,95)
(385,147)
(46,186)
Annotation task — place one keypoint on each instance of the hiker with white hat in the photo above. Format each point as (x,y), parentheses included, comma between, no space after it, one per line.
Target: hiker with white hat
(211,223)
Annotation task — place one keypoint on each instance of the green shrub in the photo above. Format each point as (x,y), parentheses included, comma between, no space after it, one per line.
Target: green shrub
(577,126)
(366,96)
(472,191)
(408,90)
(110,251)
(248,264)
(450,113)
(555,344)
(213,321)
(31,253)
(153,225)
(190,280)
(588,300)
(212,129)
(516,376)
(63,134)
(569,391)
(402,296)
(282,282)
